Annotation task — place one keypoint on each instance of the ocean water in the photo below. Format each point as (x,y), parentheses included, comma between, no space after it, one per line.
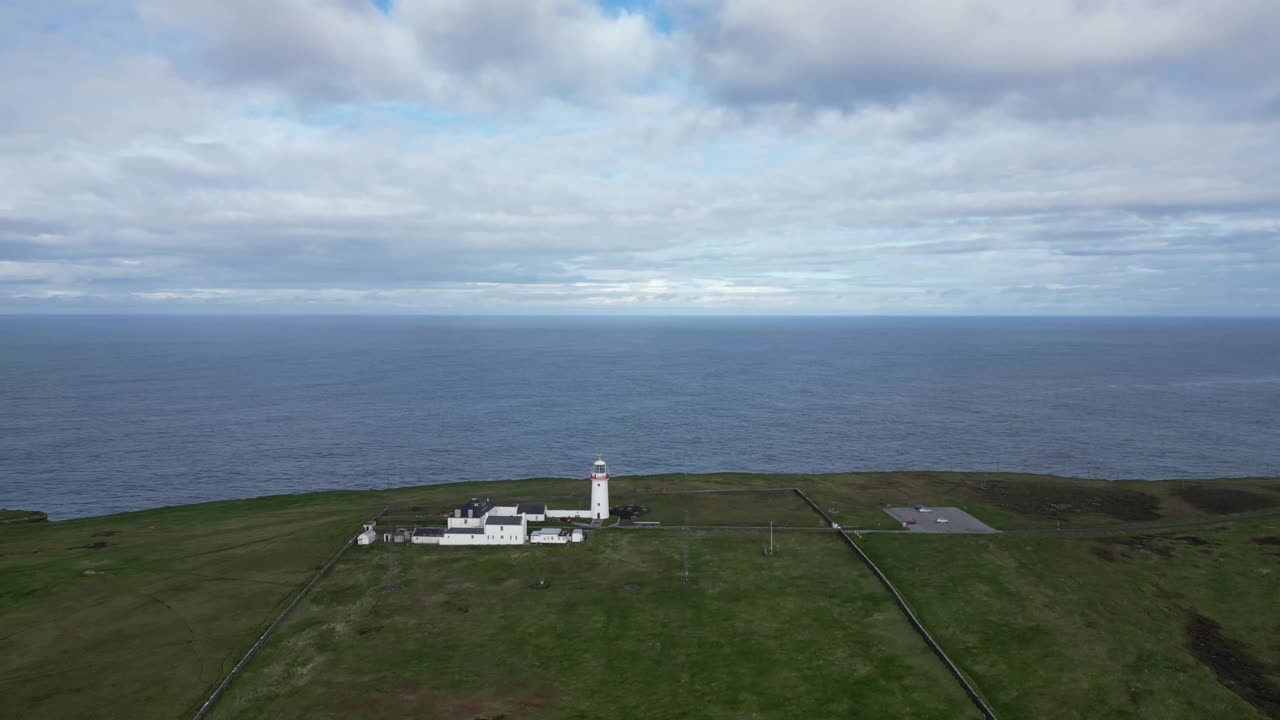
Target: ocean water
(106,414)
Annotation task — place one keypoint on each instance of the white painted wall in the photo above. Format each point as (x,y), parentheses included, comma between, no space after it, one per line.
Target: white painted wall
(463,539)
(507,534)
(555,514)
(599,499)
(366,538)
(464,522)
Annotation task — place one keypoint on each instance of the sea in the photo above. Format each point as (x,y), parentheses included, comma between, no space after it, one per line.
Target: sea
(104,414)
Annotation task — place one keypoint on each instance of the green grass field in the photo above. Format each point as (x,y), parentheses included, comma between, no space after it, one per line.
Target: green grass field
(745,509)
(147,610)
(462,633)
(1102,626)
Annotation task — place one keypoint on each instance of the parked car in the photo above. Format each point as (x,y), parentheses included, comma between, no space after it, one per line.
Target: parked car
(923,508)
(942,520)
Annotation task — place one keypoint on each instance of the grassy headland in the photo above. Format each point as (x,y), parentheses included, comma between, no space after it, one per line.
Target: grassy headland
(1168,624)
(147,610)
(21,516)
(447,633)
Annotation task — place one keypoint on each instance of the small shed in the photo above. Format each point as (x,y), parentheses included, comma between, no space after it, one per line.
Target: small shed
(366,538)
(549,536)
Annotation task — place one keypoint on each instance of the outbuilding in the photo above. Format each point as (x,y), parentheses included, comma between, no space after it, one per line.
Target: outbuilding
(549,536)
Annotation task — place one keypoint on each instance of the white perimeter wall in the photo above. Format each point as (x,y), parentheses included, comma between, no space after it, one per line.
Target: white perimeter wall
(553,514)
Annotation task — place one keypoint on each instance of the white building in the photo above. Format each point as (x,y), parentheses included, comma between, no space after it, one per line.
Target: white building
(368,536)
(555,536)
(479,521)
(471,514)
(506,529)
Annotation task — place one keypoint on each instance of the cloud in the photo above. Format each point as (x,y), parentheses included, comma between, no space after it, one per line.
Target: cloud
(552,156)
(842,53)
(472,52)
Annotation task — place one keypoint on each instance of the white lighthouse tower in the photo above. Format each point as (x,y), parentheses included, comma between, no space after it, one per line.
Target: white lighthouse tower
(599,489)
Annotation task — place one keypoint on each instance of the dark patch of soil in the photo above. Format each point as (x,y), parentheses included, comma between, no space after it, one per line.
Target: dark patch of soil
(369,630)
(106,533)
(1233,664)
(1154,544)
(457,606)
(629,512)
(1104,553)
(1224,500)
(91,546)
(1061,501)
(1266,540)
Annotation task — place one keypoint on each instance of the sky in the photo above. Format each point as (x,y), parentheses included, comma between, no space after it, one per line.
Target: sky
(848,157)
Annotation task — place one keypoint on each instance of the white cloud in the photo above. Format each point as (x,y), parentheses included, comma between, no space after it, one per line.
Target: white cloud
(473,52)
(845,52)
(346,167)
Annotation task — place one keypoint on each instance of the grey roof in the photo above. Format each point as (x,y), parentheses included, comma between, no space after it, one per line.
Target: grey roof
(547,531)
(428,532)
(475,507)
(464,531)
(503,520)
(531,509)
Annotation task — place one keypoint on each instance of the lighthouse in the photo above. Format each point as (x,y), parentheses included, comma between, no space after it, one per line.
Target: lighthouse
(599,489)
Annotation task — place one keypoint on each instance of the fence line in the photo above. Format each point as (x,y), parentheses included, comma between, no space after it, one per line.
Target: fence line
(969,689)
(208,705)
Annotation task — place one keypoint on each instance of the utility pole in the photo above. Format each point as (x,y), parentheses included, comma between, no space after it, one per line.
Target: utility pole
(685,531)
